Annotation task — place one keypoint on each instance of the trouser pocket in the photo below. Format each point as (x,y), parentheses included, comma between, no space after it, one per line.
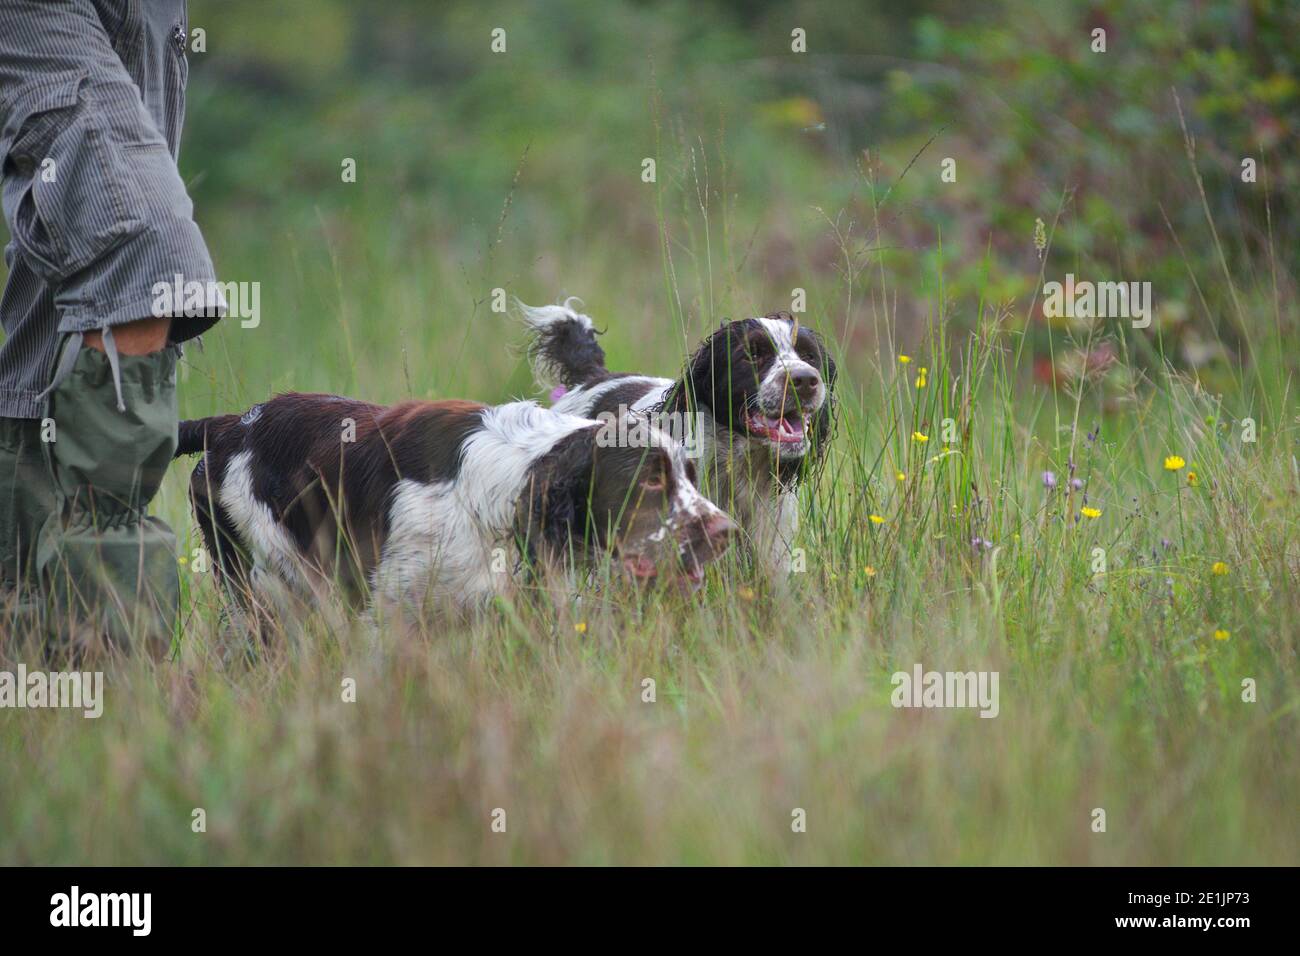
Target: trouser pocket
(108,455)
(66,192)
(111,569)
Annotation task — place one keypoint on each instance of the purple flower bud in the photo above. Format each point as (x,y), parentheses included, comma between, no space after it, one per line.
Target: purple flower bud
(1049,480)
(1076,484)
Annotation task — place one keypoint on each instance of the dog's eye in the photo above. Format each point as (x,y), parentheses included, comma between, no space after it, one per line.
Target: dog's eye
(759,344)
(807,351)
(656,478)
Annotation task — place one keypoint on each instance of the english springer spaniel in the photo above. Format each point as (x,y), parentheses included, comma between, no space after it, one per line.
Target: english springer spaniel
(439,501)
(759,389)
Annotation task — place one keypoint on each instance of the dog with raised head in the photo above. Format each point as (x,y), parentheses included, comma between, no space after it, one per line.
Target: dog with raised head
(757,394)
(437,502)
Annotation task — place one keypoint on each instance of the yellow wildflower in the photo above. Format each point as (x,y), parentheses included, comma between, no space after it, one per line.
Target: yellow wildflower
(876,519)
(1219,569)
(581,627)
(1222,635)
(904,359)
(918,437)
(1090,512)
(1174,463)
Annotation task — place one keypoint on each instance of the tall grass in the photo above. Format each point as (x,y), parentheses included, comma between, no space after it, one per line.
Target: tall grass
(1115,693)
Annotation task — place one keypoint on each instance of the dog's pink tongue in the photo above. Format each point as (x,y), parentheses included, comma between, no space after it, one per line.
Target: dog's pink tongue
(778,429)
(639,566)
(558,393)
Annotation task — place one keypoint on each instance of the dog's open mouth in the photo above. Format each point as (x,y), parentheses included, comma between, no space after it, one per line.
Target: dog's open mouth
(788,429)
(689,577)
(641,567)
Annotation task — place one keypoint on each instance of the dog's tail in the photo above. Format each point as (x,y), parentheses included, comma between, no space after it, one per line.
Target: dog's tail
(192,435)
(563,346)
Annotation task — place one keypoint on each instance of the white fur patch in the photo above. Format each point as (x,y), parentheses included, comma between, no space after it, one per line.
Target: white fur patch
(540,316)
(772,389)
(443,535)
(583,399)
(655,396)
(273,551)
(434,548)
(688,502)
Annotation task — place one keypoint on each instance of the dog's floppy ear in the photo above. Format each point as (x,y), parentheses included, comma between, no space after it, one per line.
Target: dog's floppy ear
(694,390)
(552,513)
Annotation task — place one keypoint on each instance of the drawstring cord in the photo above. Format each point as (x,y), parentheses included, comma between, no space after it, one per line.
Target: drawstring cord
(66,361)
(110,346)
(69,358)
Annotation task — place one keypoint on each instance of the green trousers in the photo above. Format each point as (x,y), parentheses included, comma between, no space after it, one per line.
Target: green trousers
(75,537)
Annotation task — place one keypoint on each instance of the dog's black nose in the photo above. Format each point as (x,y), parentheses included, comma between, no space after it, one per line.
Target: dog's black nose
(711,536)
(719,530)
(805,382)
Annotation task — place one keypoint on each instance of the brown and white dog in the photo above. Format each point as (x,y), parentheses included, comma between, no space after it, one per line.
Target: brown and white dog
(436,501)
(759,392)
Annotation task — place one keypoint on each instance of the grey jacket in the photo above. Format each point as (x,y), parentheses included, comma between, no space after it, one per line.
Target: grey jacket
(92,98)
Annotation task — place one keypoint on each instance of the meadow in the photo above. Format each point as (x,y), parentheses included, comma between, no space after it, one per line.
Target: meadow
(1104,515)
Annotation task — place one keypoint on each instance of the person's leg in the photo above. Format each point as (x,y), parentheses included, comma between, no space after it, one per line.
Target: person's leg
(27,495)
(26,492)
(92,94)
(109,565)
(26,499)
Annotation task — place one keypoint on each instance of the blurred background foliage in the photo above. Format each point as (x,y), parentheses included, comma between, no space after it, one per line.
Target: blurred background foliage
(522,170)
(776,170)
